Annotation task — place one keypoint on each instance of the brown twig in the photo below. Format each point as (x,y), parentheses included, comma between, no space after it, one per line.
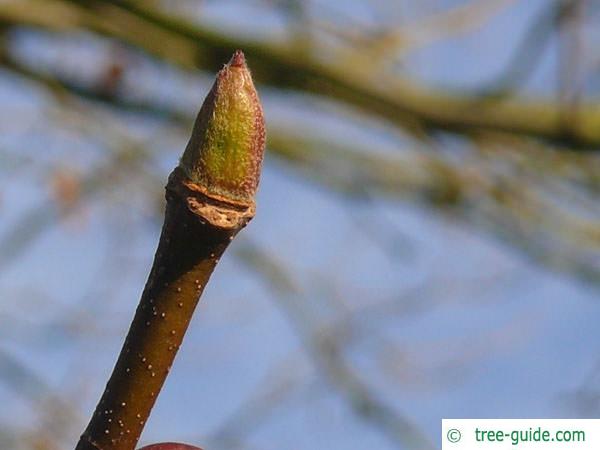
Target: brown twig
(210,198)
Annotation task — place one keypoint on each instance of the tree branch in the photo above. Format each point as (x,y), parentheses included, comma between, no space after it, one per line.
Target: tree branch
(399,101)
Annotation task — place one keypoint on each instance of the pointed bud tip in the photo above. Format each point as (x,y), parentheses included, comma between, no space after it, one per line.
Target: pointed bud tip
(237,60)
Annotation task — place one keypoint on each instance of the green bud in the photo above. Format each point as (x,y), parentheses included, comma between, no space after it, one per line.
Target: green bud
(224,154)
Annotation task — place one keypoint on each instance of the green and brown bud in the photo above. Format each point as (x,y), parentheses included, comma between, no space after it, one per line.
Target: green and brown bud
(224,154)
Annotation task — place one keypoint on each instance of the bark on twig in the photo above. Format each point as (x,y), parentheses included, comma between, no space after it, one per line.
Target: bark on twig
(202,217)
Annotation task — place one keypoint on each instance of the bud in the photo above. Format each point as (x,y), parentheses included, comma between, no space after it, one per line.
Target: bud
(224,154)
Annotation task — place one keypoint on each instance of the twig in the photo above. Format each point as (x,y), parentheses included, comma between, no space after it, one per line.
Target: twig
(210,198)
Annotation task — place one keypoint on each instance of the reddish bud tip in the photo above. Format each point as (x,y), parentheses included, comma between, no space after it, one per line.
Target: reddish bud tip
(237,60)
(170,446)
